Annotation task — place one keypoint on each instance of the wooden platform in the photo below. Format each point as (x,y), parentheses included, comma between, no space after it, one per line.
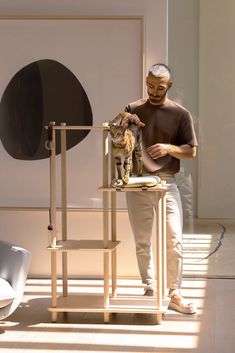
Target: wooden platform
(158,187)
(120,304)
(83,245)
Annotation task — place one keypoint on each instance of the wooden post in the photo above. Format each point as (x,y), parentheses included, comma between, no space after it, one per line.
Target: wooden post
(64,208)
(53,185)
(159,249)
(53,218)
(53,285)
(105,223)
(164,245)
(113,230)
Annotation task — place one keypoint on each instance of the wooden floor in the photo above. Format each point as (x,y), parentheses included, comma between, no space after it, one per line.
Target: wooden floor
(212,330)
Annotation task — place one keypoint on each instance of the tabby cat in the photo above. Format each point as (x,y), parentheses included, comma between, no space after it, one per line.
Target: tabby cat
(126,141)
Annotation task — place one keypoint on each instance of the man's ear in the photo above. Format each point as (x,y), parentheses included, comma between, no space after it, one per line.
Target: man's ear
(170,83)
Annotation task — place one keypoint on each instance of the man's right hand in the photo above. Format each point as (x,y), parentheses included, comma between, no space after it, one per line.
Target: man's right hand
(131,119)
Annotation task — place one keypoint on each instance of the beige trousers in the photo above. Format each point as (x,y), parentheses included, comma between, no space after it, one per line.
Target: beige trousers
(141,206)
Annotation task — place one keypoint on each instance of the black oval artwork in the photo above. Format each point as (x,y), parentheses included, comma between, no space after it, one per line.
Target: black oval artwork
(41,92)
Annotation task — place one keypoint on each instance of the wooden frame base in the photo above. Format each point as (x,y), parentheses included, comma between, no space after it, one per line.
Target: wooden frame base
(87,302)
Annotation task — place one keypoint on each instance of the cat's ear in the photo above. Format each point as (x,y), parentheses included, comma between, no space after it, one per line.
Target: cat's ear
(117,120)
(113,123)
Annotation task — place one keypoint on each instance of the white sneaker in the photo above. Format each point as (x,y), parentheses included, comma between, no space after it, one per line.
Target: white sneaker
(149,290)
(178,303)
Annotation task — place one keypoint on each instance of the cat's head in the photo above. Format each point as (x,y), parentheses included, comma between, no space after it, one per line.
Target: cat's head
(116,131)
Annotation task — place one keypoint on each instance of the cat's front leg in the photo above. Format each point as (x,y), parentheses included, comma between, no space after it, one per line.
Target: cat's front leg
(138,153)
(119,167)
(118,182)
(127,168)
(139,165)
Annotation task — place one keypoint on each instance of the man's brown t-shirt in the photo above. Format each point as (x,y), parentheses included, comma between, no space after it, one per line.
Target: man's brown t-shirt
(168,123)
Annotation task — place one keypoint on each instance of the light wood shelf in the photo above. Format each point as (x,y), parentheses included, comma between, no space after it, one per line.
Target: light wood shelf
(158,187)
(120,304)
(83,245)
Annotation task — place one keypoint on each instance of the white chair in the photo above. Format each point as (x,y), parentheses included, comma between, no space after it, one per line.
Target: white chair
(14,266)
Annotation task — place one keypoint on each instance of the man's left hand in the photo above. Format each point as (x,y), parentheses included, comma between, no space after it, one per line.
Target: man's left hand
(159,150)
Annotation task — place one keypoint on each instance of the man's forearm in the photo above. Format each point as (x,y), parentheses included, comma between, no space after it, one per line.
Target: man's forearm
(182,152)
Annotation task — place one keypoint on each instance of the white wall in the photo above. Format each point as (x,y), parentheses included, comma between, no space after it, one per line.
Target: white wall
(153,10)
(27,227)
(216,193)
(183,18)
(201,54)
(97,61)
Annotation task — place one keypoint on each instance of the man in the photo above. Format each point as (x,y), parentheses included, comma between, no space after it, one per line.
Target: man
(168,136)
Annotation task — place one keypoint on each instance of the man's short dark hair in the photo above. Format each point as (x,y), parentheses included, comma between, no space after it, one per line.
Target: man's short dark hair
(160,70)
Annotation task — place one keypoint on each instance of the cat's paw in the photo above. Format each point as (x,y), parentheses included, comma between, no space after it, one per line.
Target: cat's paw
(117,183)
(126,180)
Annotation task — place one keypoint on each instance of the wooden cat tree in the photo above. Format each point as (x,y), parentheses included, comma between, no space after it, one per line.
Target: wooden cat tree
(106,303)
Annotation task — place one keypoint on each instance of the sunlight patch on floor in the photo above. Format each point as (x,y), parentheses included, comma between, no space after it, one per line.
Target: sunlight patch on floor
(196,249)
(124,333)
